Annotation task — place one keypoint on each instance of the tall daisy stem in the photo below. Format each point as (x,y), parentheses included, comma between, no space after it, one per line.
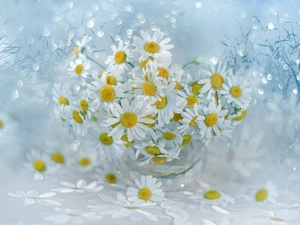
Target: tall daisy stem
(95,62)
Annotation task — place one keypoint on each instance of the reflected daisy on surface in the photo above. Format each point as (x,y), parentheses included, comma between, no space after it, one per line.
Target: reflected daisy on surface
(80,187)
(147,190)
(32,196)
(41,165)
(237,92)
(106,174)
(156,46)
(216,77)
(267,193)
(121,55)
(80,67)
(129,119)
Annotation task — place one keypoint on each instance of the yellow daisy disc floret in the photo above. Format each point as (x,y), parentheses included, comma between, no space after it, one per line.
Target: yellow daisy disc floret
(216,81)
(151,47)
(211,120)
(107,93)
(212,194)
(128,119)
(145,193)
(120,57)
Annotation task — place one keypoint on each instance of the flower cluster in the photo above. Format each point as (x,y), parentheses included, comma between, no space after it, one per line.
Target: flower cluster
(145,106)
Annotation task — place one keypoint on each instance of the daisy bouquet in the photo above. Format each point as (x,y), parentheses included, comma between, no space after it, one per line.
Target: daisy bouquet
(138,105)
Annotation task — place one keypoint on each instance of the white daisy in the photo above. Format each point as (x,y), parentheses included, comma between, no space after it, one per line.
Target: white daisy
(168,104)
(86,106)
(41,165)
(282,216)
(121,55)
(147,190)
(150,87)
(106,174)
(7,127)
(169,71)
(61,94)
(80,67)
(212,197)
(81,45)
(84,160)
(130,119)
(112,76)
(216,78)
(237,91)
(212,122)
(169,138)
(80,187)
(267,193)
(192,99)
(191,119)
(32,196)
(105,94)
(73,216)
(74,116)
(110,147)
(156,46)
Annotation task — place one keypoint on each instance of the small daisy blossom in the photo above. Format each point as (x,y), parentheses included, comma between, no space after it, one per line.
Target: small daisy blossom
(109,147)
(105,94)
(147,190)
(212,122)
(74,117)
(61,95)
(237,91)
(79,68)
(267,193)
(149,88)
(41,165)
(81,45)
(156,46)
(73,216)
(190,120)
(106,174)
(80,187)
(121,55)
(282,216)
(169,138)
(86,106)
(215,80)
(84,160)
(32,196)
(212,198)
(130,119)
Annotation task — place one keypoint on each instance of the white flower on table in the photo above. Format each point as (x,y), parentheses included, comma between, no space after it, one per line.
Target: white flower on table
(267,193)
(32,196)
(80,187)
(282,216)
(172,209)
(121,207)
(147,190)
(73,216)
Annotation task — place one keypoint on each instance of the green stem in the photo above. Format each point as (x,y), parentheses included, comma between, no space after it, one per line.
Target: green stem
(130,64)
(95,62)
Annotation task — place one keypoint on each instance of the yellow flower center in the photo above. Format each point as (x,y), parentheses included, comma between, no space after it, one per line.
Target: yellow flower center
(75,51)
(242,116)
(105,139)
(77,117)
(177,117)
(177,86)
(261,195)
(78,69)
(196,87)
(235,91)
(128,119)
(169,136)
(162,103)
(1,124)
(211,120)
(193,122)
(84,161)
(153,150)
(39,165)
(159,160)
(111,80)
(111,178)
(163,72)
(128,143)
(120,57)
(63,101)
(145,193)
(191,100)
(149,124)
(212,194)
(186,139)
(149,88)
(216,81)
(144,63)
(58,157)
(107,93)
(151,47)
(84,105)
